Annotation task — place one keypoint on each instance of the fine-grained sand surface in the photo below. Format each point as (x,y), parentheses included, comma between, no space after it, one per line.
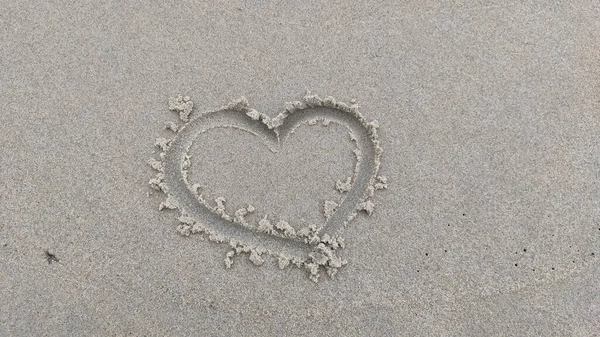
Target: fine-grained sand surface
(422,168)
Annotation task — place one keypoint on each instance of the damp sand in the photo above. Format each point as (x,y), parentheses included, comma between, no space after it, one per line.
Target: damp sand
(481,220)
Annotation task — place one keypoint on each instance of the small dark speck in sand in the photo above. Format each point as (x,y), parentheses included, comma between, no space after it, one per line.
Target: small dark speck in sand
(50,257)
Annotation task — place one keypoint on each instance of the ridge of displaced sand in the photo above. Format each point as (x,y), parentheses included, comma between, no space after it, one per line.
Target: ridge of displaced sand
(312,248)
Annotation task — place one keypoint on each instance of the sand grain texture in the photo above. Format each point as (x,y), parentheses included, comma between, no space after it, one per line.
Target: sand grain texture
(484,219)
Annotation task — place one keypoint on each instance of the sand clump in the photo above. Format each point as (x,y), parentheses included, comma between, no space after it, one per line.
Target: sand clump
(344,186)
(183,105)
(329,208)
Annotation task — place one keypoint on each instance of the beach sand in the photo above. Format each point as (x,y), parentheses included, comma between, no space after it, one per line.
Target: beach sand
(479,217)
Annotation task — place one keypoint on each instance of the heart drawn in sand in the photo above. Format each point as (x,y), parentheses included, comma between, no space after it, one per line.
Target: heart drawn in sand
(314,247)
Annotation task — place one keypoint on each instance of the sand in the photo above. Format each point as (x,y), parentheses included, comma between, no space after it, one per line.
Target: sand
(390,169)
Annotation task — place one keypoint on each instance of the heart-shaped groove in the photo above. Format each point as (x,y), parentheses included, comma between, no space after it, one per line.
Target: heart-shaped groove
(311,248)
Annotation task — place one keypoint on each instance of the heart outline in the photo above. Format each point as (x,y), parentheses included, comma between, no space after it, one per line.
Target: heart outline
(315,248)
